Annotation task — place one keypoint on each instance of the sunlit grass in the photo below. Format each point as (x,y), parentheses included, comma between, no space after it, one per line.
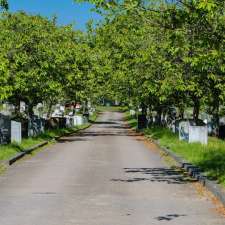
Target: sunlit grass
(131,120)
(10,150)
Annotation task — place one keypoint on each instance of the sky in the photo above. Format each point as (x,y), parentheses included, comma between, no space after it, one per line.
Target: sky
(66,10)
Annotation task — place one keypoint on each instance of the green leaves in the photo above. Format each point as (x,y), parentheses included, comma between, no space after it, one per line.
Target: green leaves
(207,5)
(155,53)
(4,4)
(164,53)
(41,62)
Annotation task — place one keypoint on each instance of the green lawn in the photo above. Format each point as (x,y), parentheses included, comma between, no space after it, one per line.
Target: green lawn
(132,121)
(210,158)
(10,150)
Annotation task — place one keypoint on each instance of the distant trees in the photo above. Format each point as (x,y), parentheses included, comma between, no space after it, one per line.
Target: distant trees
(166,54)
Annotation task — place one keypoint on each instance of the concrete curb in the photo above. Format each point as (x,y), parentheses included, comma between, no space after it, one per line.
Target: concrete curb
(196,173)
(25,152)
(31,149)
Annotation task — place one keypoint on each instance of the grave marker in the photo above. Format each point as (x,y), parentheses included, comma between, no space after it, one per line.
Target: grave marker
(16,132)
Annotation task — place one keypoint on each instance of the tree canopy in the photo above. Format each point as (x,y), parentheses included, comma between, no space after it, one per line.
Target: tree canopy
(149,54)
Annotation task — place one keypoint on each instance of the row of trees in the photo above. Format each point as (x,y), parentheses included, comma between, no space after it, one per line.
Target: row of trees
(165,54)
(41,62)
(152,54)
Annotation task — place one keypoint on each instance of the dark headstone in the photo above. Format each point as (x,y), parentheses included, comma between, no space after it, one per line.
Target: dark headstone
(222,132)
(5,129)
(55,123)
(86,115)
(142,122)
(36,126)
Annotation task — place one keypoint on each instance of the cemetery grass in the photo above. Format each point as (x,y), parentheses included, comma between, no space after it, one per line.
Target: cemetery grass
(209,158)
(10,150)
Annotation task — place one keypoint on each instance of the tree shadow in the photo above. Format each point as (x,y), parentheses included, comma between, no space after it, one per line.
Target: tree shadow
(75,139)
(105,122)
(116,127)
(106,133)
(169,217)
(165,175)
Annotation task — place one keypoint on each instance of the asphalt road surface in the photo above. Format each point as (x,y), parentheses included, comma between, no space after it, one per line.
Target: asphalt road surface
(103,176)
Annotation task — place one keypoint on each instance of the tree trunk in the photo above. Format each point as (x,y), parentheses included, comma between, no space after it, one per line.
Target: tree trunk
(181,112)
(17,107)
(30,110)
(74,108)
(196,109)
(143,109)
(49,110)
(216,116)
(159,116)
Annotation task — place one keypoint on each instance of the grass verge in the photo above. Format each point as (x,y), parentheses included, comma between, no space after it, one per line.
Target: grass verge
(210,158)
(10,150)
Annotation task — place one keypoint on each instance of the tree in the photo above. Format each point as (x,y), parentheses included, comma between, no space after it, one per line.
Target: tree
(33,55)
(4,4)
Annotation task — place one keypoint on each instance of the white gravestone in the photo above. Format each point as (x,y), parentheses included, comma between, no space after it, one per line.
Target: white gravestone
(192,133)
(16,134)
(132,112)
(68,121)
(198,134)
(85,119)
(79,120)
(74,121)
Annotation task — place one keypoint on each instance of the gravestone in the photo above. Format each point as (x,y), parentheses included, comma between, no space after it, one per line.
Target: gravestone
(210,127)
(142,122)
(55,123)
(198,134)
(86,117)
(16,132)
(36,126)
(22,107)
(132,112)
(222,132)
(174,125)
(190,132)
(79,120)
(74,121)
(69,121)
(184,130)
(5,129)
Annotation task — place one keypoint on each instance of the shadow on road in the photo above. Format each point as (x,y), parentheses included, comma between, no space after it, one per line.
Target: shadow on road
(169,176)
(106,133)
(169,217)
(68,139)
(105,122)
(116,127)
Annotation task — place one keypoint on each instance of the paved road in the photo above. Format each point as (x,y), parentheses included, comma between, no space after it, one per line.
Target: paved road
(103,176)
